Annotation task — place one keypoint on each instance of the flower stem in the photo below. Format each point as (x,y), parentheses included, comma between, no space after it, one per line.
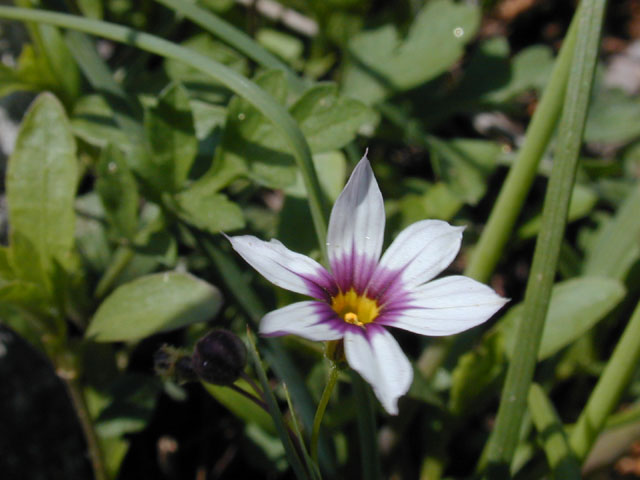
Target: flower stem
(82,411)
(324,400)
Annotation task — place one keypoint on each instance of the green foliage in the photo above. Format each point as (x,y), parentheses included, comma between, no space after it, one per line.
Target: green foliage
(477,374)
(382,62)
(241,406)
(210,211)
(154,303)
(220,121)
(118,191)
(41,183)
(576,306)
(173,144)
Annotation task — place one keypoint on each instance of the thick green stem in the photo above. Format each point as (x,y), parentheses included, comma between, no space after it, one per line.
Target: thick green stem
(324,400)
(231,79)
(504,439)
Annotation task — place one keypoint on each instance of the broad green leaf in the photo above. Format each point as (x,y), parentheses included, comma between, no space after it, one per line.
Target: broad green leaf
(210,211)
(287,47)
(332,170)
(328,120)
(206,118)
(91,233)
(199,84)
(25,295)
(488,70)
(28,75)
(616,247)
(93,121)
(158,245)
(60,61)
(464,165)
(169,127)
(91,8)
(241,406)
(251,143)
(583,199)
(152,304)
(127,405)
(436,201)
(434,43)
(477,375)
(576,306)
(530,69)
(41,184)
(118,191)
(614,117)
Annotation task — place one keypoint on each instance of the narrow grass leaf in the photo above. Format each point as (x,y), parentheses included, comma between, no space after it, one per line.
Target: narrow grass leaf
(514,191)
(276,414)
(561,459)
(504,438)
(609,389)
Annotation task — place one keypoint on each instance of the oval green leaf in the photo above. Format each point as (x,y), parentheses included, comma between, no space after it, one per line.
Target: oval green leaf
(154,303)
(576,306)
(41,183)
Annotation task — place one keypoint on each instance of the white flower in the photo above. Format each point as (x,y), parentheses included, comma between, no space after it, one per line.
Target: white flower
(363,293)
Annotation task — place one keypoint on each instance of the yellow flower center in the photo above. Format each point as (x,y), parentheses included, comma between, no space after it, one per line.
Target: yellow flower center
(355,309)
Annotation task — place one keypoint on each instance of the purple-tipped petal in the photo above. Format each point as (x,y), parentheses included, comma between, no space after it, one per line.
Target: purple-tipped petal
(356,226)
(378,358)
(445,306)
(422,250)
(312,320)
(287,269)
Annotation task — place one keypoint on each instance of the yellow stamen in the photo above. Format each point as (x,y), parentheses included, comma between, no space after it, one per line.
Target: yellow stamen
(355,309)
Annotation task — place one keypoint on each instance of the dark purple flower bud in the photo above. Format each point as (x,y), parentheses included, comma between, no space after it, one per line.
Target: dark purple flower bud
(219,357)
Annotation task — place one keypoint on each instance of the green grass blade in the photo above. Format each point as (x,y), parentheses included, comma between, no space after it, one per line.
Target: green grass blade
(561,459)
(235,82)
(504,439)
(610,387)
(234,37)
(366,417)
(308,461)
(513,193)
(274,410)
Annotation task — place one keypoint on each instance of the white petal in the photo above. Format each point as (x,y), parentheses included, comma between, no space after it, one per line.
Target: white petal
(357,220)
(283,267)
(311,320)
(377,357)
(423,250)
(446,306)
